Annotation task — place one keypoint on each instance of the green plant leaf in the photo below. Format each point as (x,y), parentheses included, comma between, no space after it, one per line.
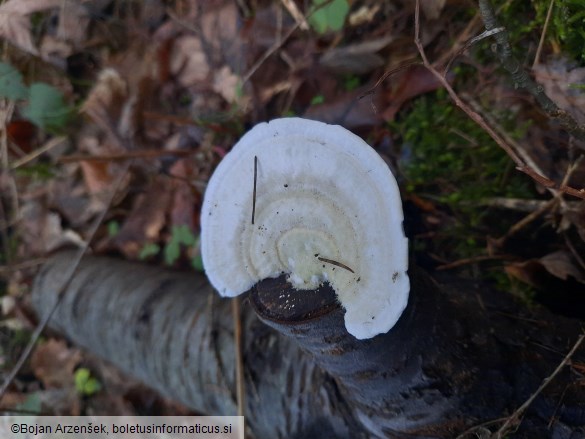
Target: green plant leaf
(11,85)
(180,235)
(172,252)
(46,107)
(31,404)
(183,235)
(37,171)
(149,249)
(114,228)
(328,17)
(318,99)
(85,384)
(197,263)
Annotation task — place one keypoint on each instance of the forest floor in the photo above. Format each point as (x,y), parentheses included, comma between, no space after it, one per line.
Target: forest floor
(115,113)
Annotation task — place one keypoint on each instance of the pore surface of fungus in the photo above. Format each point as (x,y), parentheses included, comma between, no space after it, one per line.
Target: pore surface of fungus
(316,202)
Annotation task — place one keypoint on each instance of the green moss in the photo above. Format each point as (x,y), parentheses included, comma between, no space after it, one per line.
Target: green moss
(449,159)
(524,22)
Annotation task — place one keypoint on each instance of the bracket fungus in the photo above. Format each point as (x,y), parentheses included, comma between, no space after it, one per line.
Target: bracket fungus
(317,203)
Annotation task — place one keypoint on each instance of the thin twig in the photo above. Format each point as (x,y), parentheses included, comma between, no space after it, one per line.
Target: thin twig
(296,13)
(254,191)
(543,34)
(37,152)
(480,427)
(468,44)
(338,264)
(183,23)
(530,218)
(21,265)
(477,118)
(69,276)
(125,155)
(240,385)
(543,207)
(12,192)
(523,80)
(575,253)
(467,261)
(277,44)
(515,417)
(516,204)
(389,73)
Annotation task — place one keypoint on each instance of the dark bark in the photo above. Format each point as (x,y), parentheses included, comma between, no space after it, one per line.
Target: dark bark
(457,357)
(521,77)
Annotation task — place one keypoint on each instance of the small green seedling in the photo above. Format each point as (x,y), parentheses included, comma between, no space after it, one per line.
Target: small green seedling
(318,99)
(44,106)
(326,15)
(149,249)
(179,235)
(32,404)
(114,228)
(11,85)
(85,384)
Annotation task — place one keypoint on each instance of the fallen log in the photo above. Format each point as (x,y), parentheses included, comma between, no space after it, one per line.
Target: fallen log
(459,355)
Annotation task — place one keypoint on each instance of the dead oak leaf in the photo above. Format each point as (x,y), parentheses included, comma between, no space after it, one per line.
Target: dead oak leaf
(97,176)
(106,99)
(54,364)
(356,58)
(188,61)
(562,84)
(561,265)
(226,83)
(146,219)
(534,271)
(15,21)
(408,84)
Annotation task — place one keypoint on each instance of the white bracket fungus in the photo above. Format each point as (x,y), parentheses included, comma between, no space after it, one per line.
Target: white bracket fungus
(316,202)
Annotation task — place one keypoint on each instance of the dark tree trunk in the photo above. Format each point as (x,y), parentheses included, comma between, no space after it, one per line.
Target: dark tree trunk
(458,356)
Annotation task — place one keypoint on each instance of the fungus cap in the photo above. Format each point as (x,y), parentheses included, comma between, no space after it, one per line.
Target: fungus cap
(327,208)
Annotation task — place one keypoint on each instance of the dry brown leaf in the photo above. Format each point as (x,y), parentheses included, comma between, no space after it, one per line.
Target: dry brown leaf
(348,110)
(220,33)
(408,84)
(146,219)
(363,15)
(356,58)
(15,21)
(561,265)
(432,9)
(73,23)
(106,99)
(64,402)
(97,176)
(559,81)
(575,214)
(184,201)
(55,51)
(225,82)
(42,231)
(535,271)
(529,272)
(13,399)
(53,363)
(188,61)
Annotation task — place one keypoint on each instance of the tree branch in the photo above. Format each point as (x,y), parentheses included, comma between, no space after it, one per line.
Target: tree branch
(446,365)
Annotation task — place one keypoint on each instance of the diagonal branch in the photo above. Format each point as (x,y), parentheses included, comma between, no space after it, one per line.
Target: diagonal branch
(521,77)
(478,118)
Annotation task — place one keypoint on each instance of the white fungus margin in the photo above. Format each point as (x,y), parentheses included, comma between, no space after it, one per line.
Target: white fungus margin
(327,208)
